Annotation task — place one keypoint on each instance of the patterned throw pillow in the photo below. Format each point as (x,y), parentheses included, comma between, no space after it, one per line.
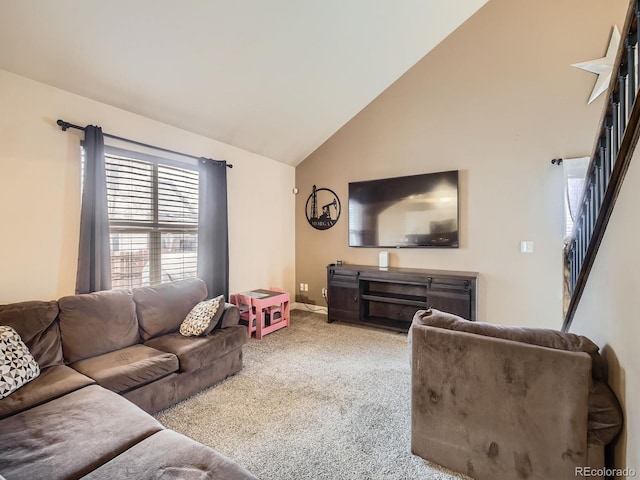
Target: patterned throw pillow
(203,318)
(17,365)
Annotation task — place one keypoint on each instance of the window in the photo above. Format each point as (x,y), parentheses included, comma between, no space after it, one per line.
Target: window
(575,171)
(153,218)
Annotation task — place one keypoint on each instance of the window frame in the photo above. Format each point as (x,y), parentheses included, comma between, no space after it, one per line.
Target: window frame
(154,228)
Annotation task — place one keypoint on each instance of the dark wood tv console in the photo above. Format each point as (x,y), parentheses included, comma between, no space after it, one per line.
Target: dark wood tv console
(389,297)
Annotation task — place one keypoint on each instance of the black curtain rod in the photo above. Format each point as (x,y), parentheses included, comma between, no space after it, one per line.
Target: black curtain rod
(556,161)
(66,125)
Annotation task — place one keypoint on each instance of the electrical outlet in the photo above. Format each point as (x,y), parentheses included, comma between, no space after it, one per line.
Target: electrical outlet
(526,246)
(302,287)
(324,292)
(306,287)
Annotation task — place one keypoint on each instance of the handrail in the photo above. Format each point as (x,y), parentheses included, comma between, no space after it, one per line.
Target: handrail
(612,152)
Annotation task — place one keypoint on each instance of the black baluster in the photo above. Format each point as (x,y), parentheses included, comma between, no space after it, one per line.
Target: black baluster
(586,235)
(632,83)
(609,159)
(600,176)
(595,202)
(582,239)
(603,161)
(578,250)
(622,98)
(589,206)
(575,268)
(596,189)
(615,133)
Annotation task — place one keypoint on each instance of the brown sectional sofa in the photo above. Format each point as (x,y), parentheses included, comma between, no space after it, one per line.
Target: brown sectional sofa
(497,401)
(108,360)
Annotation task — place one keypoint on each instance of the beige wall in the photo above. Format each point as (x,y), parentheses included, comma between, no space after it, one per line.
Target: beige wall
(39,192)
(609,311)
(497,100)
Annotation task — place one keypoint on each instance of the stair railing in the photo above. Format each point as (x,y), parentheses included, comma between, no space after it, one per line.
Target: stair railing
(610,160)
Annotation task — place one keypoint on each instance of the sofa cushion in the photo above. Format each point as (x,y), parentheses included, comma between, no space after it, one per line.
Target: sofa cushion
(35,323)
(53,382)
(203,318)
(128,368)
(198,352)
(541,337)
(230,316)
(605,415)
(158,395)
(72,435)
(17,365)
(95,323)
(170,455)
(162,309)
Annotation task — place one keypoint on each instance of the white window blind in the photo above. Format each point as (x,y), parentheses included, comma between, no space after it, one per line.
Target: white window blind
(153,219)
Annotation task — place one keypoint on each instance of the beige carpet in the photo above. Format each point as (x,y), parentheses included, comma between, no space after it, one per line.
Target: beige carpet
(313,401)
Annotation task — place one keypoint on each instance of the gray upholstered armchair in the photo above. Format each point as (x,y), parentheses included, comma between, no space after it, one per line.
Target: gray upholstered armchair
(498,402)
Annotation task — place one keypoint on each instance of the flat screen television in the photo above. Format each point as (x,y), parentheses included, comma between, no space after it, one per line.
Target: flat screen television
(412,211)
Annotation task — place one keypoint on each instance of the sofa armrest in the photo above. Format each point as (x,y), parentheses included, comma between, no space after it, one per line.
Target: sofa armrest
(496,408)
(230,316)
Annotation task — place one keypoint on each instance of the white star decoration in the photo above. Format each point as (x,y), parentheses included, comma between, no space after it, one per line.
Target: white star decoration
(602,66)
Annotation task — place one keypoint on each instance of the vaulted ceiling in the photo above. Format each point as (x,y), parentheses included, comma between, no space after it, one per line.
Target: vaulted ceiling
(275,77)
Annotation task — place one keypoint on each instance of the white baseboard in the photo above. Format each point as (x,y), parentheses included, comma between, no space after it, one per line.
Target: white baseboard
(309,308)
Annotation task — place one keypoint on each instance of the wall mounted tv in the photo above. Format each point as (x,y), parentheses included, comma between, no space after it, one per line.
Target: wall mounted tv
(413,211)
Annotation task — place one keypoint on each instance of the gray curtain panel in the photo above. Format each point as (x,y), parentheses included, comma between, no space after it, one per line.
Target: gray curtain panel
(94,265)
(213,237)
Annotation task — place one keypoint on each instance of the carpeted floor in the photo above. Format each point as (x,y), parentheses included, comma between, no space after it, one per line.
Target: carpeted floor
(313,401)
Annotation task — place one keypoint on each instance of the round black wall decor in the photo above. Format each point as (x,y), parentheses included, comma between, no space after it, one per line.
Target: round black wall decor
(323,208)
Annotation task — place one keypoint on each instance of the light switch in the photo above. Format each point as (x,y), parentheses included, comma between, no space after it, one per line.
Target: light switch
(526,246)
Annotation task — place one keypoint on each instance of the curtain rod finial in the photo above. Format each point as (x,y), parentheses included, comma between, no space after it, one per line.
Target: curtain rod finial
(63,125)
(556,161)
